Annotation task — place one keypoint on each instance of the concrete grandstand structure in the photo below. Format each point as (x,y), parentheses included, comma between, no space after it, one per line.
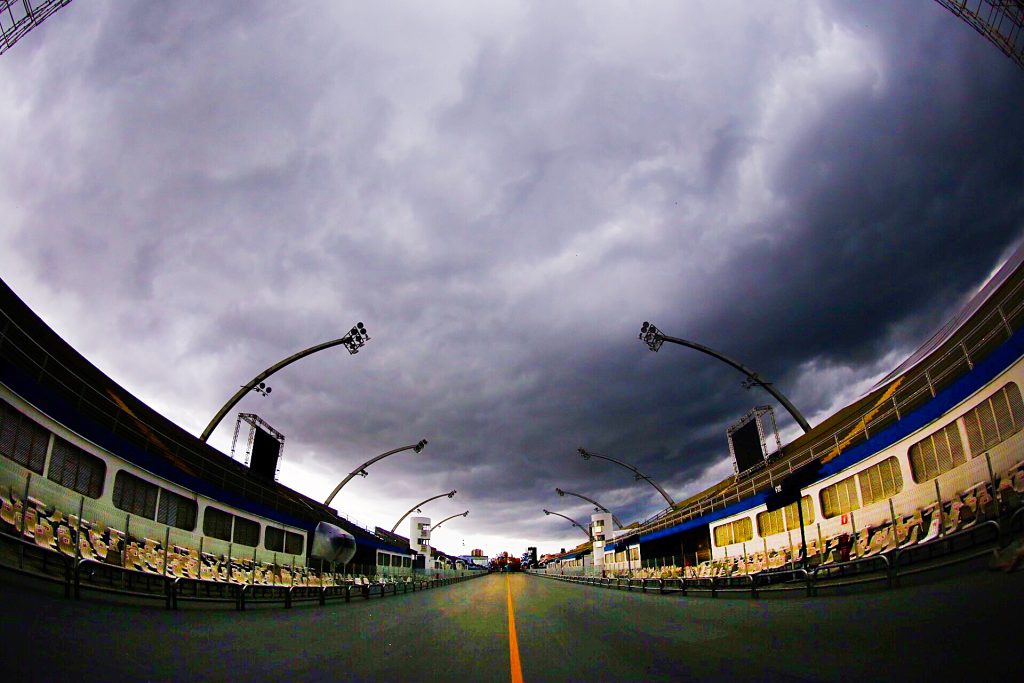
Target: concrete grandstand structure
(932,451)
(93,478)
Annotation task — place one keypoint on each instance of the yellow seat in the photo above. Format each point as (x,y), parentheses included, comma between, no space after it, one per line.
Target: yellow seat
(64,542)
(7,511)
(31,517)
(44,535)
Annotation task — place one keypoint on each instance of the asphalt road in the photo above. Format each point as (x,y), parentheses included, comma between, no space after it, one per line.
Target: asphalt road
(947,629)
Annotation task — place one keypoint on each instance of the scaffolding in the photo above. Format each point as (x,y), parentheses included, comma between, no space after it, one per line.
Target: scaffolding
(1000,21)
(18,17)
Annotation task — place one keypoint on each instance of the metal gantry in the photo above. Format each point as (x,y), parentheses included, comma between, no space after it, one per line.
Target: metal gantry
(18,17)
(1001,22)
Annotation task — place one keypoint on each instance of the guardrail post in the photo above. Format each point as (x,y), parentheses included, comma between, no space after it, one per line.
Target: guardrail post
(288,597)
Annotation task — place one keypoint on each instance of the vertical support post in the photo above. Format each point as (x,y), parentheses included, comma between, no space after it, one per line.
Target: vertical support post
(938,509)
(967,356)
(803,536)
(991,472)
(24,504)
(167,546)
(78,534)
(1006,324)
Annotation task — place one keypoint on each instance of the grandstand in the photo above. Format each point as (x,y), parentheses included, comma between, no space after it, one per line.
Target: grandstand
(100,491)
(929,461)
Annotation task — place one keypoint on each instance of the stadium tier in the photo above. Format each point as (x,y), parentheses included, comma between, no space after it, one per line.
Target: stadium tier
(932,455)
(96,478)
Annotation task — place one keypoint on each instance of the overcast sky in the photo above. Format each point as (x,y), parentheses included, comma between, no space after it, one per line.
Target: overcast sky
(503,192)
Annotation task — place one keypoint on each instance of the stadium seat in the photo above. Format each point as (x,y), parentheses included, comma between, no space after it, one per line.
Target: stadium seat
(860,544)
(65,541)
(988,506)
(934,526)
(1009,498)
(44,536)
(10,511)
(31,517)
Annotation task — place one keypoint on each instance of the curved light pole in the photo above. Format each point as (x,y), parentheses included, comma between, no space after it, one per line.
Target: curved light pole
(461,514)
(417,506)
(654,338)
(582,528)
(637,473)
(418,446)
(353,341)
(598,507)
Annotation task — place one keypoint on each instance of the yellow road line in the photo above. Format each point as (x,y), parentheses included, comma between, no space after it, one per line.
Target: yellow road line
(513,642)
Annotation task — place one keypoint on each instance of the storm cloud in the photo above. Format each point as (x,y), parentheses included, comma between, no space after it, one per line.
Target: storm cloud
(503,194)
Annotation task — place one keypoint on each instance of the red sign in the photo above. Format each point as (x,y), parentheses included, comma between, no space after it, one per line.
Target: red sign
(846,519)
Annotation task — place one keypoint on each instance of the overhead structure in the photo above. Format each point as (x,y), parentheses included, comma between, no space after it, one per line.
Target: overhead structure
(638,475)
(750,439)
(1000,21)
(361,470)
(264,445)
(353,341)
(654,338)
(597,506)
(461,514)
(417,506)
(18,17)
(584,529)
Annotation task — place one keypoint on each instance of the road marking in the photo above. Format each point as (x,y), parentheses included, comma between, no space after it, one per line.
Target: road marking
(513,642)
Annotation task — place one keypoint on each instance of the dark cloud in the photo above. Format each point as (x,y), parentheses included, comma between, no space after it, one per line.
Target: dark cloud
(503,197)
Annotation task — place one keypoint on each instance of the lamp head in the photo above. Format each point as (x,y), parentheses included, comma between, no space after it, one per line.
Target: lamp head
(420,445)
(547,512)
(651,335)
(559,491)
(356,338)
(583,452)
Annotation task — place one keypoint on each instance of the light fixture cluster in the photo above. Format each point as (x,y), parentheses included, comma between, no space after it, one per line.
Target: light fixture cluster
(262,389)
(356,338)
(420,445)
(651,335)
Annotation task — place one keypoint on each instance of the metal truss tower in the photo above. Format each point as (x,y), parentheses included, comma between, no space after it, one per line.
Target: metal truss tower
(18,17)
(1000,21)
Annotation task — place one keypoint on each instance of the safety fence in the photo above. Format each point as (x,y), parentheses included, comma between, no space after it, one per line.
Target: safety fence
(83,575)
(984,541)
